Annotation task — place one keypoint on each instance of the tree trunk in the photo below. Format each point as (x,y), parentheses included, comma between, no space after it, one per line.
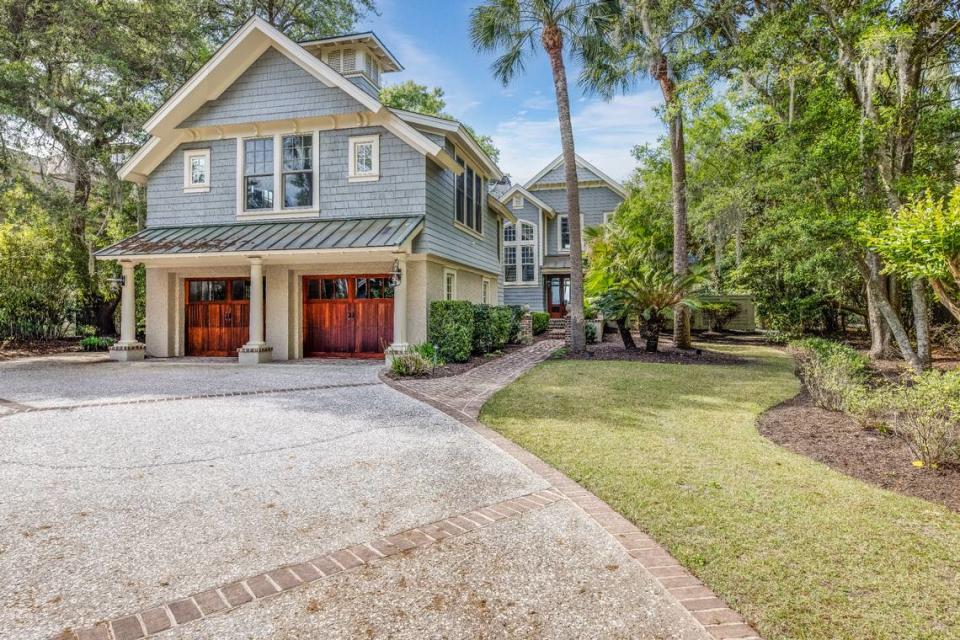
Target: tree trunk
(651,334)
(874,317)
(553,44)
(881,302)
(678,175)
(625,335)
(921,321)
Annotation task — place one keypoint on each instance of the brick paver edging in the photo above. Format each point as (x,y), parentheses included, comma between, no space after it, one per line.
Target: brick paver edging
(719,620)
(270,583)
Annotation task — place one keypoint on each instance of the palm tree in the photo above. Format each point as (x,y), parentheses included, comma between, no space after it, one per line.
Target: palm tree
(626,40)
(513,28)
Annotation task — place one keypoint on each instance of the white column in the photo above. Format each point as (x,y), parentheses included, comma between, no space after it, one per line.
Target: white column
(256,350)
(128,348)
(400,311)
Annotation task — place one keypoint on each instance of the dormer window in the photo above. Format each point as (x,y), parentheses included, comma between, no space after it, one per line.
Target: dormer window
(196,170)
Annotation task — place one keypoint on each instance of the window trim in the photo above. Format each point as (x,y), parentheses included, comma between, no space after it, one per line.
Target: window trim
(352,142)
(485,291)
(560,218)
(453,293)
(278,211)
(188,185)
(607,215)
(519,243)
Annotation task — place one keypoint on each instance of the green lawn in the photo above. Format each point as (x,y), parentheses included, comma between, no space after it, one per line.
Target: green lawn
(798,549)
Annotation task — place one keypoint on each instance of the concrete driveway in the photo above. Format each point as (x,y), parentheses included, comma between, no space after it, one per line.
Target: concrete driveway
(127,485)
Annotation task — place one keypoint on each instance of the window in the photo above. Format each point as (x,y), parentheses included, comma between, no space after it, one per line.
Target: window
(449,284)
(484,291)
(258,173)
(608,216)
(470,197)
(297,171)
(564,238)
(364,159)
(196,170)
(520,244)
(517,201)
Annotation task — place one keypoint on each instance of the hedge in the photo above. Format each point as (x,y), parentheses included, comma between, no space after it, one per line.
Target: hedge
(451,329)
(491,328)
(541,322)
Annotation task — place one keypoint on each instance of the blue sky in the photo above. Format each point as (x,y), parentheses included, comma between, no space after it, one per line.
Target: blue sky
(430,38)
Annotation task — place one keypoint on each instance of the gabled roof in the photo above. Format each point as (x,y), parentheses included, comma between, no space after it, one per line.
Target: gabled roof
(457,133)
(613,184)
(266,237)
(236,55)
(529,196)
(368,38)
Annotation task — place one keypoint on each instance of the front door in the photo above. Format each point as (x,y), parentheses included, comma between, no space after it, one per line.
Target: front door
(558,295)
(347,316)
(218,316)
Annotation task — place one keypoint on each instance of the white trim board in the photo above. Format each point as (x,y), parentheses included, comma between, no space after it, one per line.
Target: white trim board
(540,204)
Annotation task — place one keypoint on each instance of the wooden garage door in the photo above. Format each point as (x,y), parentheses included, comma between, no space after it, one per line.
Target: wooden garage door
(218,316)
(347,316)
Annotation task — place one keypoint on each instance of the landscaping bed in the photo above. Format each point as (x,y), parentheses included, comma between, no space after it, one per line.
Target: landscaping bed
(836,440)
(612,349)
(16,349)
(456,368)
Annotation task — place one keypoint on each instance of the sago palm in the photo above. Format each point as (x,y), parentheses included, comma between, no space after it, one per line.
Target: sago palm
(515,29)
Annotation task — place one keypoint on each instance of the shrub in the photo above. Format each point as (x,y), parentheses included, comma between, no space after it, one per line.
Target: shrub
(96,343)
(491,328)
(411,363)
(540,321)
(451,328)
(590,330)
(926,414)
(429,353)
(832,372)
(516,323)
(718,314)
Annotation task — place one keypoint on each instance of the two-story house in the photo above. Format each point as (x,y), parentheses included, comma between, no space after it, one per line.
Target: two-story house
(291,214)
(536,248)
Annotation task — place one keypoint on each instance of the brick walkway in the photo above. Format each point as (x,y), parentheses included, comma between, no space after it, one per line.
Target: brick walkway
(468,391)
(462,396)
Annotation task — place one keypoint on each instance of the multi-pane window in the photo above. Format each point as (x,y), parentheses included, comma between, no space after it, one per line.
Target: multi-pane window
(520,245)
(297,171)
(258,173)
(470,197)
(364,158)
(564,223)
(449,284)
(196,170)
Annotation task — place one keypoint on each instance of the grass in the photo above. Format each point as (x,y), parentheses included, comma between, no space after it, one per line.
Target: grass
(800,550)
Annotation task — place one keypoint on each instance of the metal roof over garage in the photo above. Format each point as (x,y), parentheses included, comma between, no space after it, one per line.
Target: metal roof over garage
(253,237)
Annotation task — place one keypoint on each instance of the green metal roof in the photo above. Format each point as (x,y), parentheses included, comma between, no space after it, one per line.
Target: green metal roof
(246,237)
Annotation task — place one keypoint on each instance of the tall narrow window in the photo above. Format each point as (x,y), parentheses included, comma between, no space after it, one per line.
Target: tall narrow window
(449,284)
(470,197)
(510,264)
(484,291)
(297,171)
(520,244)
(461,192)
(470,192)
(564,223)
(479,202)
(258,173)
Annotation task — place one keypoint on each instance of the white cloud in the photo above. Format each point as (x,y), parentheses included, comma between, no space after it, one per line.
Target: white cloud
(605,132)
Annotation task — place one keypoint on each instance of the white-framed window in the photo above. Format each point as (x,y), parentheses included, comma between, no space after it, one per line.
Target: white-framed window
(563,233)
(519,253)
(608,216)
(196,170)
(517,201)
(470,197)
(364,158)
(278,174)
(485,291)
(449,284)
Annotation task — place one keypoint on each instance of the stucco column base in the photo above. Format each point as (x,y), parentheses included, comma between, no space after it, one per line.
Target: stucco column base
(128,351)
(395,349)
(255,353)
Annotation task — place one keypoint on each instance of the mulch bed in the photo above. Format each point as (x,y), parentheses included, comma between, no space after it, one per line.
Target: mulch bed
(837,441)
(15,349)
(456,368)
(612,349)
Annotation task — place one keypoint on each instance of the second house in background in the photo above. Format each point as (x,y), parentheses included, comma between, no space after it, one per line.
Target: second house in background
(536,250)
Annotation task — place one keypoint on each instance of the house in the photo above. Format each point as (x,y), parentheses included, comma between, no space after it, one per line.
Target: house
(536,258)
(291,214)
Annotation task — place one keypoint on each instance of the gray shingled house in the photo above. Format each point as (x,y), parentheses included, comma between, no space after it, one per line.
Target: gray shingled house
(291,214)
(536,248)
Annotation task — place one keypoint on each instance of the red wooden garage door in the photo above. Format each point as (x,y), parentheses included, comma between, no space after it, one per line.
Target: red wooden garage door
(218,316)
(347,316)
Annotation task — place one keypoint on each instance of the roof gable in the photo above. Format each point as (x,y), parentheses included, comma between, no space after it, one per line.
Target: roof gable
(554,173)
(534,200)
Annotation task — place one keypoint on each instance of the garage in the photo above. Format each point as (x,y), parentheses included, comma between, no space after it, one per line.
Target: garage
(217,316)
(347,316)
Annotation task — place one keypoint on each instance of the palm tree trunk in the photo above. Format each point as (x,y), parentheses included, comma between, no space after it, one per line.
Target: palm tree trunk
(553,44)
(625,335)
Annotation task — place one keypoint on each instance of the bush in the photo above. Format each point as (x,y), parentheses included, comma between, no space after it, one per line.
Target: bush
(540,321)
(96,343)
(718,314)
(591,332)
(926,414)
(832,372)
(451,328)
(411,363)
(429,353)
(491,328)
(516,323)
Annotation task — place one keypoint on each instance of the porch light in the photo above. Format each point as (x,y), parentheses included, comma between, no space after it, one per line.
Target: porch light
(116,283)
(396,274)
